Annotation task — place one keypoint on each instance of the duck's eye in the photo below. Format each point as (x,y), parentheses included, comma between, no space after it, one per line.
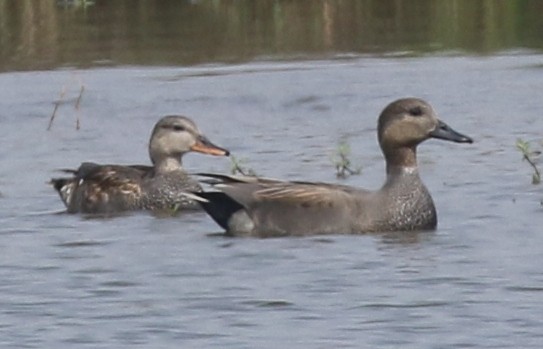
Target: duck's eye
(178,128)
(416,111)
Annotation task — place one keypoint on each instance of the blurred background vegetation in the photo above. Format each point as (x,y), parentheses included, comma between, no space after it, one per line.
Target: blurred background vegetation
(43,34)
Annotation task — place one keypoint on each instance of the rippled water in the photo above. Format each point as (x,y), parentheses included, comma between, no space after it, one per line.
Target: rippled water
(143,281)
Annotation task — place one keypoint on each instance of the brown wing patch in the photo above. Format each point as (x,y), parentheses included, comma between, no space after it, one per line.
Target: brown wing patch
(112,183)
(303,194)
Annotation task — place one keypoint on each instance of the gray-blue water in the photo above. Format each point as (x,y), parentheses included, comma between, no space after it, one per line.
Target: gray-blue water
(67,281)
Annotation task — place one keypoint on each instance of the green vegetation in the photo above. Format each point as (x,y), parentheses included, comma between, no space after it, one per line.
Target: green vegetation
(531,157)
(342,162)
(50,33)
(75,3)
(239,168)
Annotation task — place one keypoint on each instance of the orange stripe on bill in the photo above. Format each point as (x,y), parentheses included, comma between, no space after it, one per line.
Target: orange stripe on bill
(203,145)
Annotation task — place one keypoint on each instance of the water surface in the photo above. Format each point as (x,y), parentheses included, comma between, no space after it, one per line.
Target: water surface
(138,280)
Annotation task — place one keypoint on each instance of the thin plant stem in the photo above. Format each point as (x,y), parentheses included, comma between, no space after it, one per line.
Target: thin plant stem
(57,103)
(77,106)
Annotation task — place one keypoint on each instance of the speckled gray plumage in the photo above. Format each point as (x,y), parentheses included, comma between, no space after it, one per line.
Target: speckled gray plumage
(166,191)
(405,205)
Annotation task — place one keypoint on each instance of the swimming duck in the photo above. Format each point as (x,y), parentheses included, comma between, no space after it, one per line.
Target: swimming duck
(96,188)
(260,207)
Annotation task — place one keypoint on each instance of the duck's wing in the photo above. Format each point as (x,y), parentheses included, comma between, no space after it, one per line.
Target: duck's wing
(217,178)
(269,189)
(112,175)
(262,206)
(101,188)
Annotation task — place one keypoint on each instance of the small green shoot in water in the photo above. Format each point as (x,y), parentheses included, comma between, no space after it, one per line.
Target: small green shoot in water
(530,156)
(342,162)
(238,167)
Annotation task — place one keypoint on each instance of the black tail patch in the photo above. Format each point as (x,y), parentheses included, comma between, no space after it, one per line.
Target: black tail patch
(219,206)
(58,183)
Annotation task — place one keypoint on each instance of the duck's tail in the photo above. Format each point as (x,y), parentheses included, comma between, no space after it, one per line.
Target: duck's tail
(65,188)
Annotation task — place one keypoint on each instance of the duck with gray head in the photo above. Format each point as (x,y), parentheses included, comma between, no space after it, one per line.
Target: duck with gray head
(95,188)
(259,207)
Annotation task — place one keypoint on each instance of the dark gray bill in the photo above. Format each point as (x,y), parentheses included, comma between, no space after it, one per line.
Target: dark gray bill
(444,131)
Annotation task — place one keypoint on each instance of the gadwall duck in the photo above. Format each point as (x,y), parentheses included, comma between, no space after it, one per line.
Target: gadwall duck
(250,206)
(95,188)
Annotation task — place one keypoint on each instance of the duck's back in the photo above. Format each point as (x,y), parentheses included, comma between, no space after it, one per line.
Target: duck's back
(98,188)
(113,188)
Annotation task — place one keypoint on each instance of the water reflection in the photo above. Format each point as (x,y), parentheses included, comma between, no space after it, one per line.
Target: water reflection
(51,33)
(393,239)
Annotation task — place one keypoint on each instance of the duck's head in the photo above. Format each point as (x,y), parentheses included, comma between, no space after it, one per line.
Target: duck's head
(405,123)
(176,135)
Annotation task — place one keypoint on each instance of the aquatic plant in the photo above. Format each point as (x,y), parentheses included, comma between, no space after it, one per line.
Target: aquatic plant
(238,167)
(342,162)
(77,103)
(531,157)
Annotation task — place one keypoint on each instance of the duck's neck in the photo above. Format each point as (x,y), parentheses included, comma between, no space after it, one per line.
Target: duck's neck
(167,164)
(401,161)
(397,171)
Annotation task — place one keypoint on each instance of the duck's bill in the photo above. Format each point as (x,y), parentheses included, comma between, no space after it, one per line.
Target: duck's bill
(444,131)
(203,145)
